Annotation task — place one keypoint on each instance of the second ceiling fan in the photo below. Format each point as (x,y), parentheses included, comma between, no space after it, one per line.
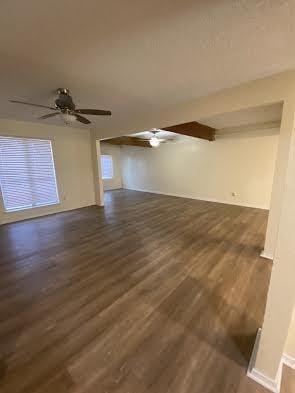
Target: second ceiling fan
(154,140)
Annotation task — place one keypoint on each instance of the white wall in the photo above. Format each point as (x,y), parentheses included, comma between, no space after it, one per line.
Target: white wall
(205,170)
(115,152)
(72,158)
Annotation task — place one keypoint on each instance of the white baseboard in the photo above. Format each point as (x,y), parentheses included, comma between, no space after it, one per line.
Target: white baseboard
(270,384)
(198,198)
(289,361)
(273,385)
(266,255)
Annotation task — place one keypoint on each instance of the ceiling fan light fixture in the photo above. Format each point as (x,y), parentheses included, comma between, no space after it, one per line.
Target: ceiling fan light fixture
(154,141)
(65,106)
(68,118)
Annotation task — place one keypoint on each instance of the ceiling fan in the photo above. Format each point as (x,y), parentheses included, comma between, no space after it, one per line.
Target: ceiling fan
(154,140)
(65,107)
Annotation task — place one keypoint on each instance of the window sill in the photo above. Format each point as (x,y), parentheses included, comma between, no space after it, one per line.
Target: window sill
(30,208)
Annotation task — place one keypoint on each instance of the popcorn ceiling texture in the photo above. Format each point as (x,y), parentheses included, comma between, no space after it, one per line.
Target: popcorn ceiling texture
(137,57)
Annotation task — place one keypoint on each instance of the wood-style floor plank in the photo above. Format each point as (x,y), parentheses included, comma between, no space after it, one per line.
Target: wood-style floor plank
(150,294)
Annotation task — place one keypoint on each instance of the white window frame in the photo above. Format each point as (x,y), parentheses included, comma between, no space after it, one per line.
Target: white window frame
(15,210)
(109,156)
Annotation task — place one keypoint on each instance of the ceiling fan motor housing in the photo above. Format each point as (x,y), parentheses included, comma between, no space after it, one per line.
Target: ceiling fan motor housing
(64,101)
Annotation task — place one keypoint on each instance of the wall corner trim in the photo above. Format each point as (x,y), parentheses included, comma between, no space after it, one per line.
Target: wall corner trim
(270,384)
(266,255)
(273,385)
(289,361)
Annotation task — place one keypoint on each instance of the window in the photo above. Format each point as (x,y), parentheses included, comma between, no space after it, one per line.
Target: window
(107,167)
(27,174)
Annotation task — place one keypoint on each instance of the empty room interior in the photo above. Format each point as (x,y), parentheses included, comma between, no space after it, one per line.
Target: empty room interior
(147,188)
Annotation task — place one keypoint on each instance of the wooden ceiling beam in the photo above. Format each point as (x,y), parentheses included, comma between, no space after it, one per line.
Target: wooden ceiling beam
(194,129)
(127,140)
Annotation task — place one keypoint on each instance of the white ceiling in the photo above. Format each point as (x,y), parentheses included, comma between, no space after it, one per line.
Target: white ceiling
(263,119)
(141,55)
(246,117)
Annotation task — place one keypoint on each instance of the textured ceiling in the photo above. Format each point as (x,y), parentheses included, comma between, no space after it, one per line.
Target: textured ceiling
(141,56)
(251,120)
(251,116)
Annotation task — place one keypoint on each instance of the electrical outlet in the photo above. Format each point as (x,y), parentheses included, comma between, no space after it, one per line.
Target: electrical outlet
(234,194)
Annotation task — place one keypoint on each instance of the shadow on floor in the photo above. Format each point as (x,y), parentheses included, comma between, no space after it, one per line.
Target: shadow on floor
(204,314)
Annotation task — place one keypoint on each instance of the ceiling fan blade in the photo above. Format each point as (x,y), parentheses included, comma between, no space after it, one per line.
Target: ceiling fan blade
(49,115)
(97,112)
(29,103)
(82,119)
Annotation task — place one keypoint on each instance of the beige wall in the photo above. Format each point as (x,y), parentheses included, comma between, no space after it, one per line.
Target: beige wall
(211,171)
(281,293)
(72,158)
(96,169)
(287,126)
(115,152)
(290,343)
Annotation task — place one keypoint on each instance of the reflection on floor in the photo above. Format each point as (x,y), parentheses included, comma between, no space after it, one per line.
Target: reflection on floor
(150,294)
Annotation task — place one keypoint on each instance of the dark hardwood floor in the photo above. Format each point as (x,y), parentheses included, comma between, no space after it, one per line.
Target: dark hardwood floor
(151,294)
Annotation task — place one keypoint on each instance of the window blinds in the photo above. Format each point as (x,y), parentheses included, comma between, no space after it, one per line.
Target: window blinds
(107,167)
(27,174)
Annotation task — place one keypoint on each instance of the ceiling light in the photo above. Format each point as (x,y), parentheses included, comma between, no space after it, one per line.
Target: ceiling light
(68,118)
(154,141)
